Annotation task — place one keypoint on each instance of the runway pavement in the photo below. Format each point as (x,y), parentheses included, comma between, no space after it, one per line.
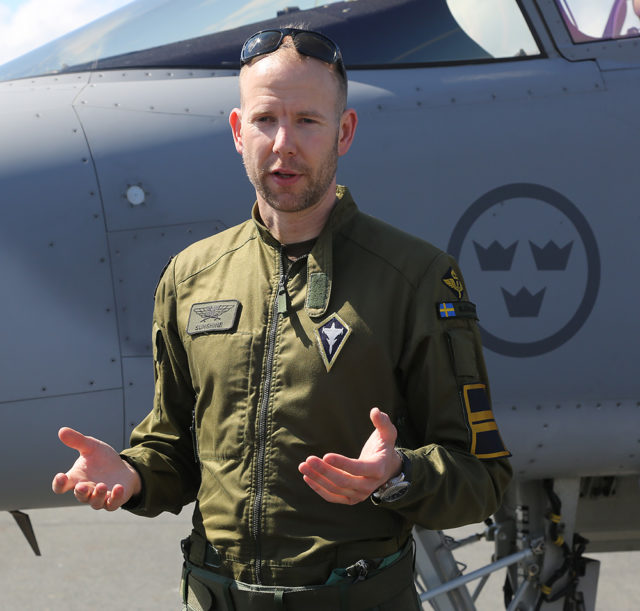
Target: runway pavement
(117,561)
(92,560)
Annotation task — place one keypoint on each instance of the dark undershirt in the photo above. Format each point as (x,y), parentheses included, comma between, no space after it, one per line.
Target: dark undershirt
(297,250)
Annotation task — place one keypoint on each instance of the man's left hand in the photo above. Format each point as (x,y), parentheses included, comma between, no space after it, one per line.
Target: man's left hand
(339,479)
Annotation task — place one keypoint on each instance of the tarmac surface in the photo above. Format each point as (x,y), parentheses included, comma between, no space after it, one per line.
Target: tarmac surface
(98,560)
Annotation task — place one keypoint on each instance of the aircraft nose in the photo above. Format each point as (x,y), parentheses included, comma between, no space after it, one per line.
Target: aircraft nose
(53,236)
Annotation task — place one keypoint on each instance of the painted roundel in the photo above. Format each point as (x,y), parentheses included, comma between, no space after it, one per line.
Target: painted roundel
(531,261)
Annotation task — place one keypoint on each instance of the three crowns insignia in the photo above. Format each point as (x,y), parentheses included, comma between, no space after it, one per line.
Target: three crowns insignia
(332,336)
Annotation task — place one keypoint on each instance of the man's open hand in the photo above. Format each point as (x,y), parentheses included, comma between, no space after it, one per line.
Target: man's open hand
(99,477)
(339,479)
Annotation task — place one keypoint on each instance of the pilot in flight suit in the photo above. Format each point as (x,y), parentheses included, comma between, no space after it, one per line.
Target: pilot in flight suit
(261,361)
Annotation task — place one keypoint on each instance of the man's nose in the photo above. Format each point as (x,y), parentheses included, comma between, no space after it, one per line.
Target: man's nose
(284,141)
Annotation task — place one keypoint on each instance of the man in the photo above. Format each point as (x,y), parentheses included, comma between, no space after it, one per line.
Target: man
(287,346)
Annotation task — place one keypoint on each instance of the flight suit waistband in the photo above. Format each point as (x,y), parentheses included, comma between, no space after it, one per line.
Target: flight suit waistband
(204,589)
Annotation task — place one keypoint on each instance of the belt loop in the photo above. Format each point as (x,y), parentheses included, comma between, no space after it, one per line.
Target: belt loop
(184,582)
(185,546)
(412,542)
(278,599)
(227,597)
(344,596)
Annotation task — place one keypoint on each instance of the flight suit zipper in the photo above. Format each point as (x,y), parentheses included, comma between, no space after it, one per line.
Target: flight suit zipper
(279,307)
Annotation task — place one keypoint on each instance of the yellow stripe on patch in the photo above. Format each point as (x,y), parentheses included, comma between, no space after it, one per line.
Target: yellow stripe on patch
(485,437)
(486,426)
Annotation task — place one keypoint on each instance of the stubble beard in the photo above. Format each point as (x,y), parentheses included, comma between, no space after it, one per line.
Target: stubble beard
(289,201)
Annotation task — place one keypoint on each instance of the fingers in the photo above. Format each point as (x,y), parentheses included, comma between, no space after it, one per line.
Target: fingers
(83,491)
(75,440)
(338,477)
(334,484)
(61,483)
(98,496)
(326,495)
(116,499)
(383,425)
(353,466)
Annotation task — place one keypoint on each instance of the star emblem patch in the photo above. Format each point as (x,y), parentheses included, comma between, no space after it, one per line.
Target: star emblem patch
(332,336)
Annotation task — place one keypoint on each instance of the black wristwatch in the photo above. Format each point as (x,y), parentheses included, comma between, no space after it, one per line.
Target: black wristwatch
(397,486)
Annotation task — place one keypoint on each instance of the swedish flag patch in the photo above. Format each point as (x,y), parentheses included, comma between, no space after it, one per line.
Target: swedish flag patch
(485,438)
(456,309)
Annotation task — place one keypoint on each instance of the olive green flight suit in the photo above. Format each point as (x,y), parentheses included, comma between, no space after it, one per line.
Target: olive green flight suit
(272,365)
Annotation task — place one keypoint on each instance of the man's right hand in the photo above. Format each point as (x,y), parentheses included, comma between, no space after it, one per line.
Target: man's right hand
(99,477)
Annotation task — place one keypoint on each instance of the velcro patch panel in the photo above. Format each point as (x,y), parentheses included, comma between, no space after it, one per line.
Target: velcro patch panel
(485,438)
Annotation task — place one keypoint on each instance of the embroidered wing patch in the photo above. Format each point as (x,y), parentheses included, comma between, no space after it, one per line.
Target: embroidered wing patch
(451,281)
(213,316)
(332,336)
(485,438)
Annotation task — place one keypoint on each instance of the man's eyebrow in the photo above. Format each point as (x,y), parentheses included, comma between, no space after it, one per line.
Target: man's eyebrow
(310,113)
(260,110)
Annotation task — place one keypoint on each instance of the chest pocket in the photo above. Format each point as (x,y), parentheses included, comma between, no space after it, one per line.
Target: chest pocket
(221,367)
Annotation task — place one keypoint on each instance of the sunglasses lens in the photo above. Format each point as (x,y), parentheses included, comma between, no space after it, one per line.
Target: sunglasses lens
(259,44)
(316,46)
(308,43)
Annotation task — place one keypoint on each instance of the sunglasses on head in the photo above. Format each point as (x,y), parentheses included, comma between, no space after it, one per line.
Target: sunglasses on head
(306,42)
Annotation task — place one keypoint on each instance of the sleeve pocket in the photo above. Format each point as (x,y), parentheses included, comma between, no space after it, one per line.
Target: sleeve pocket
(462,349)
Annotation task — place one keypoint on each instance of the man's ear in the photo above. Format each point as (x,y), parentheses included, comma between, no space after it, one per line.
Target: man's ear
(348,123)
(235,120)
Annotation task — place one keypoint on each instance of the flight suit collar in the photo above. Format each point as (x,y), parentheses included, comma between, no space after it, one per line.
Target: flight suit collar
(263,232)
(320,259)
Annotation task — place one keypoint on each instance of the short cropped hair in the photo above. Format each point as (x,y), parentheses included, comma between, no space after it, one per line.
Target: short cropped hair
(340,74)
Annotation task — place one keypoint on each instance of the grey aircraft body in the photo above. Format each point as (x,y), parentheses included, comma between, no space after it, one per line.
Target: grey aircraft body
(501,131)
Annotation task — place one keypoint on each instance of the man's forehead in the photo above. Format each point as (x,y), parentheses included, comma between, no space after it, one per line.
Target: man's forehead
(285,68)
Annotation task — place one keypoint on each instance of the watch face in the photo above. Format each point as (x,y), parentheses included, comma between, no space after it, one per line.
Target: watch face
(393,491)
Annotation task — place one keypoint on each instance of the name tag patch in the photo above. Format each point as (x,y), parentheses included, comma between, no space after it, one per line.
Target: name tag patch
(213,316)
(485,437)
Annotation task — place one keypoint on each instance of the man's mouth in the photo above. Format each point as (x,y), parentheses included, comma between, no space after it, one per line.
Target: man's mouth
(285,176)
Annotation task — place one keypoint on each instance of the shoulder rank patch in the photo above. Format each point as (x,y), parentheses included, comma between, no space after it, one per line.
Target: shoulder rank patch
(451,280)
(485,438)
(213,316)
(456,309)
(332,336)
